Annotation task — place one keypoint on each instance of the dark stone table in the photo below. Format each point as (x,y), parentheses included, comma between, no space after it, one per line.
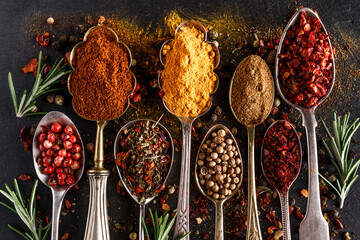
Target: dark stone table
(20,21)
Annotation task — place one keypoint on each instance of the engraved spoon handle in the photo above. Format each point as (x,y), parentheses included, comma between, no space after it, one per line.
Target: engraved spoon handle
(285,216)
(253,231)
(314,226)
(97,226)
(182,220)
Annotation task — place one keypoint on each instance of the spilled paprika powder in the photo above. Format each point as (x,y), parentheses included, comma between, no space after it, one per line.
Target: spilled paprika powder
(101,81)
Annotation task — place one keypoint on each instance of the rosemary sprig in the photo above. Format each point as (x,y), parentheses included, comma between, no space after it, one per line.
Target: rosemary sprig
(41,86)
(27,215)
(338,152)
(161,226)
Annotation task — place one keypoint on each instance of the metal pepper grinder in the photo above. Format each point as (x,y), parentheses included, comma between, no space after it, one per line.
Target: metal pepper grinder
(97,227)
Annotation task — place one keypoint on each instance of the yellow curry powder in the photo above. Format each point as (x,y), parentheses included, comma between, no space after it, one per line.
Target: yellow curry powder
(188,78)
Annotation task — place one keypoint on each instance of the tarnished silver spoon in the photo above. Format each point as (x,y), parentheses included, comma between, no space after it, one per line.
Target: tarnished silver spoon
(117,148)
(58,192)
(314,226)
(284,197)
(219,216)
(182,220)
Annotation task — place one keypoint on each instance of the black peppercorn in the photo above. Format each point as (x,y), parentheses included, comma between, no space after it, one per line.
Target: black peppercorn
(205,128)
(292,202)
(63,38)
(214,117)
(332,196)
(79,28)
(44,58)
(325,174)
(73,39)
(213,35)
(218,110)
(56,46)
(334,214)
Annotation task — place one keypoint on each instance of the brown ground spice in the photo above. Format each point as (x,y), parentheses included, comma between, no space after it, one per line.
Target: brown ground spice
(101,81)
(252,92)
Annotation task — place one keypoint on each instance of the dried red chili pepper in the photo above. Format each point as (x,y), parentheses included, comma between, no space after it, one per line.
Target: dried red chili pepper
(305,64)
(43,39)
(338,224)
(272,217)
(299,214)
(26,138)
(281,155)
(25,177)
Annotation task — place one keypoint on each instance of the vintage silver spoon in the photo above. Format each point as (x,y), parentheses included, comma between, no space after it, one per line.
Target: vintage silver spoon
(219,216)
(284,197)
(182,220)
(58,192)
(97,227)
(314,226)
(117,149)
(253,230)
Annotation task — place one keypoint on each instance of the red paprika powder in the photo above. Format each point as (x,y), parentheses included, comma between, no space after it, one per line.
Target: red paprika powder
(101,81)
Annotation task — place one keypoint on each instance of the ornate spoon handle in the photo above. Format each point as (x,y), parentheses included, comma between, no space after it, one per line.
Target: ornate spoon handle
(253,231)
(182,220)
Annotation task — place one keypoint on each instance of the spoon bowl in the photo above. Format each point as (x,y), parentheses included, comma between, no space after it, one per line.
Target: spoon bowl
(313,221)
(219,231)
(284,197)
(58,192)
(117,149)
(183,220)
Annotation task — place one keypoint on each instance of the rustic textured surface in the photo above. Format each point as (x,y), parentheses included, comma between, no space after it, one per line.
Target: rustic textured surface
(340,17)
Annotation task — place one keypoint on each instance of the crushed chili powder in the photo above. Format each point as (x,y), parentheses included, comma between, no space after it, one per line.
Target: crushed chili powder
(306,62)
(101,81)
(281,155)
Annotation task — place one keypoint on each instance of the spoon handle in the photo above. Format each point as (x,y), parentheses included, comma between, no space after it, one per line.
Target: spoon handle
(253,231)
(219,221)
(182,220)
(285,215)
(314,226)
(97,226)
(58,197)
(141,228)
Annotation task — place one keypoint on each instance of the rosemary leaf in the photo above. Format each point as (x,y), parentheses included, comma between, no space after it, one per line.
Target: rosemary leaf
(42,85)
(338,152)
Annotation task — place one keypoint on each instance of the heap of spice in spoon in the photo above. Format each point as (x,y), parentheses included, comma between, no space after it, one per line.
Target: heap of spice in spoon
(144,159)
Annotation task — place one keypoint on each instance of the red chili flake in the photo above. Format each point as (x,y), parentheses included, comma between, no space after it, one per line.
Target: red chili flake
(274,110)
(161,93)
(26,138)
(38,197)
(306,72)
(31,66)
(65,236)
(281,155)
(67,204)
(205,235)
(337,223)
(43,39)
(25,177)
(272,217)
(75,187)
(47,220)
(291,209)
(299,214)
